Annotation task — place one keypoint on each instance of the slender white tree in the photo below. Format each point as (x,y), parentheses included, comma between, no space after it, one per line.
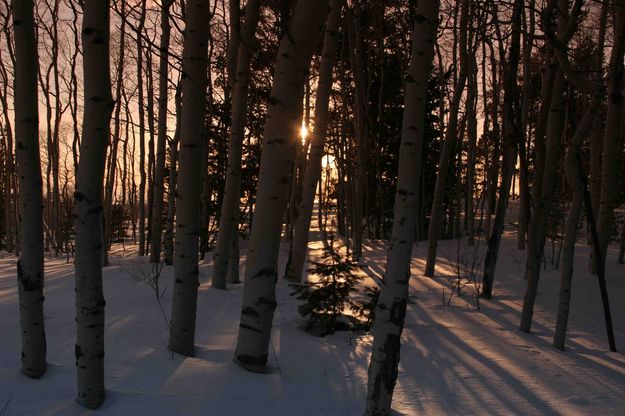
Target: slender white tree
(229,220)
(391,307)
(511,139)
(280,132)
(192,133)
(542,195)
(30,263)
(299,243)
(98,107)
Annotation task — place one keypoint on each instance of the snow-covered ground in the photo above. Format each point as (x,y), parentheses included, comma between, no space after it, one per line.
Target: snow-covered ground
(455,360)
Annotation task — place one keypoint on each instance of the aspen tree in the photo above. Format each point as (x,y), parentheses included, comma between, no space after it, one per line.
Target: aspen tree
(391,306)
(161,142)
(110,178)
(299,243)
(229,219)
(98,106)
(613,137)
(30,263)
(512,121)
(544,180)
(451,138)
(280,131)
(192,133)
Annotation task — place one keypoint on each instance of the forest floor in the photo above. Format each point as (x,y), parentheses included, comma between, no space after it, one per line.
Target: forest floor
(454,360)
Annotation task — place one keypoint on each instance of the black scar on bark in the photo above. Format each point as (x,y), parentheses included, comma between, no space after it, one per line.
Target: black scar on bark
(251,328)
(29,285)
(391,346)
(270,303)
(398,312)
(249,312)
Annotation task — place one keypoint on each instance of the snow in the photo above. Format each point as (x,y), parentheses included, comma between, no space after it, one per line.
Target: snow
(455,359)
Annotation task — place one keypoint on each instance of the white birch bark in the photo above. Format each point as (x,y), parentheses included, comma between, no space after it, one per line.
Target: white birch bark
(542,194)
(30,264)
(229,219)
(192,134)
(299,243)
(98,106)
(391,308)
(572,219)
(281,129)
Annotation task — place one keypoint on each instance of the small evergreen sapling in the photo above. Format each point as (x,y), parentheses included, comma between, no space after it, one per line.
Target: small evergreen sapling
(327,299)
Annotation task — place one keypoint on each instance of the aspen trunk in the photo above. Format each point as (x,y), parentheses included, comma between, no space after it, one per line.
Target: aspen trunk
(391,307)
(299,243)
(259,299)
(161,144)
(546,173)
(472,149)
(449,145)
(576,187)
(229,219)
(168,239)
(543,202)
(110,179)
(30,263)
(596,136)
(141,105)
(493,171)
(192,134)
(359,175)
(613,139)
(98,105)
(512,121)
(149,75)
(524,192)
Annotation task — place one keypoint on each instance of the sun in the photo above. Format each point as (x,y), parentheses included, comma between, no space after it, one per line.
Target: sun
(303,132)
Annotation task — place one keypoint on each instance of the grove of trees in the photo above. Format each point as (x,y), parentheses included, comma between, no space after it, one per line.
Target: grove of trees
(182,128)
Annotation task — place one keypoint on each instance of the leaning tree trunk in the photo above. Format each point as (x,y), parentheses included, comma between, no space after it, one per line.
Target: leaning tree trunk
(542,195)
(451,138)
(613,138)
(597,133)
(194,68)
(299,243)
(30,263)
(161,141)
(98,106)
(259,297)
(511,120)
(229,219)
(576,187)
(391,307)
